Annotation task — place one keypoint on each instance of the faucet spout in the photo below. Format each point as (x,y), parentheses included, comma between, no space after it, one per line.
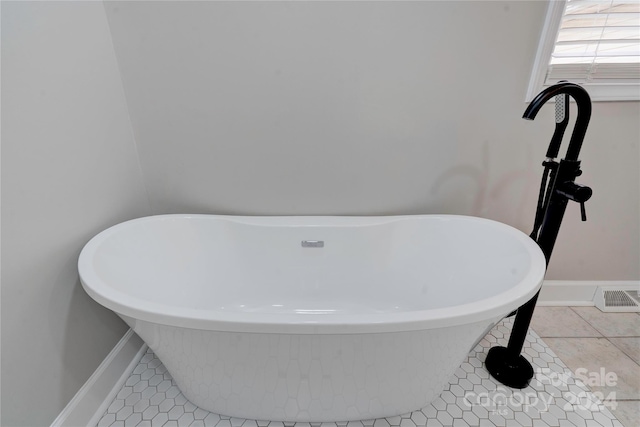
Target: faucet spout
(583,101)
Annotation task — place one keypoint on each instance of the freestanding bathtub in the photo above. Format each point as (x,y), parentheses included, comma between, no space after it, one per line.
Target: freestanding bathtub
(311,318)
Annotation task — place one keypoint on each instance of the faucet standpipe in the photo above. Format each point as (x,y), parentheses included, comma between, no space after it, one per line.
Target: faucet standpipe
(506,364)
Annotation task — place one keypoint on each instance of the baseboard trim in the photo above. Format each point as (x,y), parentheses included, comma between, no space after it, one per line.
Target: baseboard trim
(576,292)
(93,398)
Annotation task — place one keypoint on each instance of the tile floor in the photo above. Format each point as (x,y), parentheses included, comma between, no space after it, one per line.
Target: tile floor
(599,345)
(601,348)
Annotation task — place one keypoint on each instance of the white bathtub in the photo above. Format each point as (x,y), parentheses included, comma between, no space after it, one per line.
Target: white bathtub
(253,323)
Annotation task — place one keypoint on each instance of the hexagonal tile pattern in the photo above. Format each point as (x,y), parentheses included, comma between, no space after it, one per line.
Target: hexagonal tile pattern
(150,397)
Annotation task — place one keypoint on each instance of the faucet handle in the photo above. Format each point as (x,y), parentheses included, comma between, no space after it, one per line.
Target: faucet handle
(577,193)
(583,212)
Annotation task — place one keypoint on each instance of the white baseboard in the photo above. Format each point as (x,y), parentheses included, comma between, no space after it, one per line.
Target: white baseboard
(93,398)
(576,293)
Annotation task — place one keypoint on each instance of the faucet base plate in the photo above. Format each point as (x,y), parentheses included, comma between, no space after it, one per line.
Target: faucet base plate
(512,370)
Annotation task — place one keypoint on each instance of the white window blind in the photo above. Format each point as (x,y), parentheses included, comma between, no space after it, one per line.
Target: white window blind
(595,43)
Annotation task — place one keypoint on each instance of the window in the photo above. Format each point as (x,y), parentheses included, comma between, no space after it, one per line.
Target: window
(595,43)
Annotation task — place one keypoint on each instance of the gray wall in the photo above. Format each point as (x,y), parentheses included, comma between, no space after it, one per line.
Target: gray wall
(355,108)
(69,170)
(365,108)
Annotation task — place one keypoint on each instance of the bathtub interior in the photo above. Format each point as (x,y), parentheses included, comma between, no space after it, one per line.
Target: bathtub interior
(367,265)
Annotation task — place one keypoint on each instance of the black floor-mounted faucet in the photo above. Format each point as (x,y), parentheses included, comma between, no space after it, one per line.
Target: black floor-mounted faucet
(506,364)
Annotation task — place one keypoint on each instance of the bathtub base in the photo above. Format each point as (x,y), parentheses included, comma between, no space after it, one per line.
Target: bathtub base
(310,378)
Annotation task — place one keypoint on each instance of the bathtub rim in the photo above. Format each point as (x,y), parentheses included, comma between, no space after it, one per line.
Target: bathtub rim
(495,307)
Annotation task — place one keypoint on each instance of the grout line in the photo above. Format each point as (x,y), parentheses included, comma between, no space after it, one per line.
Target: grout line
(602,333)
(589,323)
(622,350)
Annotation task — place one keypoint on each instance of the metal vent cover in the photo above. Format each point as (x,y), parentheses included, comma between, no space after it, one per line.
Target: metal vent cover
(619,300)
